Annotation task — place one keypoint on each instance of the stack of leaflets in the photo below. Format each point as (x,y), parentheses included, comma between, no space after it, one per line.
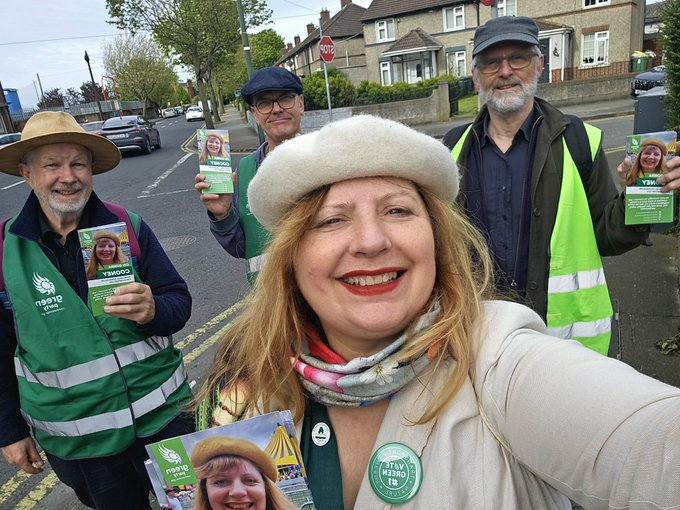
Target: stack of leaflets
(214,160)
(106,255)
(170,469)
(645,202)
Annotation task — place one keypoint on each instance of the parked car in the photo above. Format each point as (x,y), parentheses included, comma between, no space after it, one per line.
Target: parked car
(179,110)
(6,138)
(643,82)
(194,113)
(169,112)
(93,127)
(132,132)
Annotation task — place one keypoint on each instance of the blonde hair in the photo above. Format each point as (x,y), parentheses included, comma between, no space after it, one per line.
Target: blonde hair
(259,346)
(276,499)
(637,171)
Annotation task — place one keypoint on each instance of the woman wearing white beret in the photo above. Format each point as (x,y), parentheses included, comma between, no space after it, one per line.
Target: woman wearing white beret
(370,321)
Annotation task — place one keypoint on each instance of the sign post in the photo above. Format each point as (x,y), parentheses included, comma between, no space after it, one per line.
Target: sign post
(327,54)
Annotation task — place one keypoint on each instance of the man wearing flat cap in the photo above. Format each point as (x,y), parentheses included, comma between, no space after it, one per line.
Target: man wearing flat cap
(92,390)
(275,95)
(537,183)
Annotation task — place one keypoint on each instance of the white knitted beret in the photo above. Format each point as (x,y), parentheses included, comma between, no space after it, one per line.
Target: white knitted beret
(361,146)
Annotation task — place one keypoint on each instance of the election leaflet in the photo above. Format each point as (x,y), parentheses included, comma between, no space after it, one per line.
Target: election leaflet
(214,160)
(108,264)
(273,434)
(648,154)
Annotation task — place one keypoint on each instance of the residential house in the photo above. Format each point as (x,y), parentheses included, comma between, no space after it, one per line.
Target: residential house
(346,31)
(653,38)
(411,40)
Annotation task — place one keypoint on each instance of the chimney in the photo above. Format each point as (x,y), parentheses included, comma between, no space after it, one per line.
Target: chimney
(297,40)
(289,46)
(325,16)
(344,3)
(310,28)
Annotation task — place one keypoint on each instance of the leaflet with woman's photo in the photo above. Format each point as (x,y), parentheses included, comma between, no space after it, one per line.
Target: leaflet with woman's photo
(106,255)
(648,154)
(205,466)
(214,160)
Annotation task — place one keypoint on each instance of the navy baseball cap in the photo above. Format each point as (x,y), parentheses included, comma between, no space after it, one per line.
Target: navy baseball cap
(270,78)
(505,29)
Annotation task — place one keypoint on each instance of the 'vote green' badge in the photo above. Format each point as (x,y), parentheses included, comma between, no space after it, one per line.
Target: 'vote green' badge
(395,473)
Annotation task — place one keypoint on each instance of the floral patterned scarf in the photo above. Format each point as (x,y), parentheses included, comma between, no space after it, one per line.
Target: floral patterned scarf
(332,381)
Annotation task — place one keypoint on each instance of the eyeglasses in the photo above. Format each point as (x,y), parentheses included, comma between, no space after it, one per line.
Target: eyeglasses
(265,106)
(516,61)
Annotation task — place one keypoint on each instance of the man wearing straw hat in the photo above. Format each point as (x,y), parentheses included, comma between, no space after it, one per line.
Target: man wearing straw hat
(92,390)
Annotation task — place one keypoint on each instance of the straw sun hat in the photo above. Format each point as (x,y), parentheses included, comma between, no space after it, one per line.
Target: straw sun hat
(216,446)
(58,127)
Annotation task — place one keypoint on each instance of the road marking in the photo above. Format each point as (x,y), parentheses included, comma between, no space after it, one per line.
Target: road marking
(12,185)
(147,192)
(615,149)
(208,325)
(11,485)
(36,495)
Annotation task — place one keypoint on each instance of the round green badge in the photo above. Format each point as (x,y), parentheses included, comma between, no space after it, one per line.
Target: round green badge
(395,473)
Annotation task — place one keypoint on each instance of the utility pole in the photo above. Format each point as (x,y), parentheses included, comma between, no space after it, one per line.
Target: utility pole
(42,94)
(94,84)
(246,51)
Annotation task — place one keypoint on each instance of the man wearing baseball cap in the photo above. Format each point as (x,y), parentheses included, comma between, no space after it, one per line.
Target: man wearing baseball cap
(92,390)
(537,183)
(275,95)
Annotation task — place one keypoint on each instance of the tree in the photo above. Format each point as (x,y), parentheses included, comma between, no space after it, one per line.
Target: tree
(197,31)
(52,98)
(72,96)
(140,69)
(671,55)
(91,92)
(266,48)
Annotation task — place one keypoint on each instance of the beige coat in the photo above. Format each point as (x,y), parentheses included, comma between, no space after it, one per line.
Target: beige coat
(556,416)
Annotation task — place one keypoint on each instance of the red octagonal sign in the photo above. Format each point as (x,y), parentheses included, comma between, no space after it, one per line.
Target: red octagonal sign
(326,49)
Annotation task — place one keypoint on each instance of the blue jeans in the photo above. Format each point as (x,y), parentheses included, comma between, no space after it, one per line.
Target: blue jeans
(118,481)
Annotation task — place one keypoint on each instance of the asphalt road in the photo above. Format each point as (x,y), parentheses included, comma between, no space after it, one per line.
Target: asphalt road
(159,187)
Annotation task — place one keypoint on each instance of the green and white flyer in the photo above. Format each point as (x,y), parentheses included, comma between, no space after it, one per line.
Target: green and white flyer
(106,255)
(214,160)
(265,440)
(645,202)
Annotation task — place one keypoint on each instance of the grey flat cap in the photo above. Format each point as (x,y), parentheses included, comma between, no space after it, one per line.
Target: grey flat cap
(505,29)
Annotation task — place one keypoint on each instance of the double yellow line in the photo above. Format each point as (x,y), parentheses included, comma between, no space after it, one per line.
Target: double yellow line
(43,488)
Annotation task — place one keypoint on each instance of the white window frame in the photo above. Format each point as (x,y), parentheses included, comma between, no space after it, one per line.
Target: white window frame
(595,3)
(383,25)
(458,57)
(600,51)
(503,9)
(386,73)
(458,13)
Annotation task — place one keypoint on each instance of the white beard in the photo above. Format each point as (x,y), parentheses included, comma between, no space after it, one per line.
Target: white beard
(509,102)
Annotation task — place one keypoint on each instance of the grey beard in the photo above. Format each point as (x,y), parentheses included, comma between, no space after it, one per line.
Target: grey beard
(509,103)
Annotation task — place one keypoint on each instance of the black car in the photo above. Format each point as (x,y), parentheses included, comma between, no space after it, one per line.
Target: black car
(132,132)
(643,82)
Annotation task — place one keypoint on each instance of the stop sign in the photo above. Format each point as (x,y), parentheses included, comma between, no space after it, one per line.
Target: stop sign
(326,49)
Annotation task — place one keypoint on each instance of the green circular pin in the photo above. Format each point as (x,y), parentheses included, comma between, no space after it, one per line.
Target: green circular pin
(395,473)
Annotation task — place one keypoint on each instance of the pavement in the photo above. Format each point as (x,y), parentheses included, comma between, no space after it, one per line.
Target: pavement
(643,283)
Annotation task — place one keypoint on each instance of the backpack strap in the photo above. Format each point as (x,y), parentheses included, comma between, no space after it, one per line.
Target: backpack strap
(580,147)
(132,223)
(3,294)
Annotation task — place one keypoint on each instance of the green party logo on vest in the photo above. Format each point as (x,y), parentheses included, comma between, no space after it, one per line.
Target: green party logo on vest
(51,301)
(173,461)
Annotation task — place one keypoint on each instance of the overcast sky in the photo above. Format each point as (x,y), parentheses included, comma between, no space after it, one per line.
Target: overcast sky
(49,38)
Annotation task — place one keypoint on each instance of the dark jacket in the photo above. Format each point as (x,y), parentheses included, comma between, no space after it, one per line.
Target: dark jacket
(171,297)
(605,202)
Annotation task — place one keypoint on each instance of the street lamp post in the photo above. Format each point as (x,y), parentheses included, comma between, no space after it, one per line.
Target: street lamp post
(94,84)
(246,50)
